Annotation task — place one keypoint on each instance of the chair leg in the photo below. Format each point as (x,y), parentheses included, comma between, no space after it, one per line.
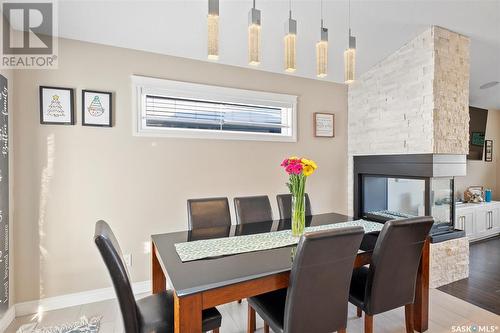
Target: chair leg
(266,328)
(359,312)
(368,323)
(409,318)
(215,330)
(251,320)
(239,301)
(343,330)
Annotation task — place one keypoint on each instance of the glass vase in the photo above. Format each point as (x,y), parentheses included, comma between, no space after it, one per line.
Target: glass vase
(298,215)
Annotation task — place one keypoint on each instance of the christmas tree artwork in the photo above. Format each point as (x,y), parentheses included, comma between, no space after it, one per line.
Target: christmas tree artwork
(95,108)
(55,108)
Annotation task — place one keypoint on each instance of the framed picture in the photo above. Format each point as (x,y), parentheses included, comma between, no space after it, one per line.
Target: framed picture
(488,150)
(96,108)
(56,106)
(324,125)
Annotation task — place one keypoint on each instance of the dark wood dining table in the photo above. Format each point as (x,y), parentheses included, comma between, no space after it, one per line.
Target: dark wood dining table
(205,283)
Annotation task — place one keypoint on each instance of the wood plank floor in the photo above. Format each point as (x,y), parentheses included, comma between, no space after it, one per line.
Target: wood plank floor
(445,311)
(482,288)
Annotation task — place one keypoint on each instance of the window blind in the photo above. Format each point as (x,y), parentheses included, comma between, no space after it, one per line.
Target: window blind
(173,112)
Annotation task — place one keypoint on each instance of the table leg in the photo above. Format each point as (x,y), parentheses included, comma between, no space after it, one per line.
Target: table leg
(421,304)
(187,314)
(159,282)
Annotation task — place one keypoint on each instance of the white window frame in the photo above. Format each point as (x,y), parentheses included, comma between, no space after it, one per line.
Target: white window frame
(143,86)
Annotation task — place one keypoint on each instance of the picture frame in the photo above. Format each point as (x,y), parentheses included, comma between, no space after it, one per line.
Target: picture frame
(57,105)
(324,125)
(488,150)
(97,108)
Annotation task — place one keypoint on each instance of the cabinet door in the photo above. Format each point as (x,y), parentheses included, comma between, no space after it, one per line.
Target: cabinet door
(465,221)
(482,222)
(495,219)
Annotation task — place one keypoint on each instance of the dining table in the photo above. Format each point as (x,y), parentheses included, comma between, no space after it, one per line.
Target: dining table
(209,282)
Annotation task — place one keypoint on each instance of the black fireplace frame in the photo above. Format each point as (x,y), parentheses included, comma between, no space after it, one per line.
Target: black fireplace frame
(409,166)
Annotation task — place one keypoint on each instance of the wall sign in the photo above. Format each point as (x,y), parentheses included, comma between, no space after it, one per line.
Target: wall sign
(324,125)
(4,197)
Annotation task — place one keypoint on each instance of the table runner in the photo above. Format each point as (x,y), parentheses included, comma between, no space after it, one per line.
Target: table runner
(209,248)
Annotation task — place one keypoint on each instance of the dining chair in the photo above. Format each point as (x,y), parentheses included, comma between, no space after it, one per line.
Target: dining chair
(208,212)
(389,281)
(316,299)
(285,205)
(152,313)
(253,209)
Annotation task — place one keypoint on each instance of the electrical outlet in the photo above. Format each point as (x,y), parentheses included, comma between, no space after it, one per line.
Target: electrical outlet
(128,259)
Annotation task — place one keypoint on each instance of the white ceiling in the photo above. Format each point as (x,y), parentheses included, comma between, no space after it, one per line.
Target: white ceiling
(179,28)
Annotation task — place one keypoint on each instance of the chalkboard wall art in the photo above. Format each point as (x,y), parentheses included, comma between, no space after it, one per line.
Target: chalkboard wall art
(57,106)
(4,197)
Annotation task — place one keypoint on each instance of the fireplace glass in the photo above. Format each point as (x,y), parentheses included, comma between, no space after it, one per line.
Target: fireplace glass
(387,198)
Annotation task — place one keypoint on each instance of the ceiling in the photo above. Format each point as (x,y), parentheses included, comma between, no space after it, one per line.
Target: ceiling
(179,28)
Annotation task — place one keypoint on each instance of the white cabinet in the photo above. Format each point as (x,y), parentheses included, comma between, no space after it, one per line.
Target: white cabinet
(478,220)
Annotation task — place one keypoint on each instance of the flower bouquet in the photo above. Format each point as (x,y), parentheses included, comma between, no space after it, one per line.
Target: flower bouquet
(298,170)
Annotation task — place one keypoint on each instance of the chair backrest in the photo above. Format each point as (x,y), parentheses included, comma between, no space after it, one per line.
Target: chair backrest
(208,213)
(318,290)
(253,209)
(394,266)
(285,205)
(113,258)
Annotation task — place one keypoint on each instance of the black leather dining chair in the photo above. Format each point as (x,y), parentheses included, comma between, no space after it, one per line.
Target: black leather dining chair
(253,209)
(389,281)
(317,296)
(285,205)
(208,212)
(149,314)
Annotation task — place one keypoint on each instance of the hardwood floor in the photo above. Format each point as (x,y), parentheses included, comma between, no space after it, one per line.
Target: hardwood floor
(482,288)
(446,311)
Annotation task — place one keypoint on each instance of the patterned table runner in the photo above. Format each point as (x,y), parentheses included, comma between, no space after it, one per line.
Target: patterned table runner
(209,248)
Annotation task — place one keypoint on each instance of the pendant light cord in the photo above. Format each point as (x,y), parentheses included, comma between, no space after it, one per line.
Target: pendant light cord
(253,4)
(321,5)
(290,7)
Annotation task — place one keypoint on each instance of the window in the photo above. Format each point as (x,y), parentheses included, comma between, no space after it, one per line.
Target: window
(188,110)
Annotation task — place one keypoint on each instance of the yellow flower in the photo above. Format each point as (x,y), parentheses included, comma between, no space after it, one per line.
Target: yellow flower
(308,170)
(310,163)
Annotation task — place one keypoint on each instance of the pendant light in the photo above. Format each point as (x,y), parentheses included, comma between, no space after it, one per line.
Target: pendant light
(290,42)
(322,49)
(350,55)
(254,36)
(213,29)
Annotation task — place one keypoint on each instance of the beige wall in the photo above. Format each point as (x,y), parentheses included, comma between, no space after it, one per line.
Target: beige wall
(68,177)
(481,172)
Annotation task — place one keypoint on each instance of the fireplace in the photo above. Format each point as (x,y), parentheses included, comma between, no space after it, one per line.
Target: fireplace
(388,187)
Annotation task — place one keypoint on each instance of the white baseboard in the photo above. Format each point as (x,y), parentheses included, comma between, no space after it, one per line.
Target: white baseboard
(84,297)
(7,318)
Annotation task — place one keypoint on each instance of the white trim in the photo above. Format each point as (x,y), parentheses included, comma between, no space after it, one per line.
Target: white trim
(84,297)
(7,318)
(142,85)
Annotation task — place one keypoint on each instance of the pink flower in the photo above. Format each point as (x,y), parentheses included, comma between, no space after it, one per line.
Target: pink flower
(285,162)
(289,169)
(297,169)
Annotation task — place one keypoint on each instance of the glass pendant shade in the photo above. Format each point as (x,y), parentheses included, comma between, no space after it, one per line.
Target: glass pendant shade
(290,45)
(322,54)
(213,29)
(254,37)
(350,61)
